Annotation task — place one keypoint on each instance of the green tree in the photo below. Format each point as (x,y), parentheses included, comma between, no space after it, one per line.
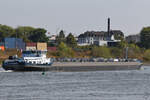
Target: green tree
(122,44)
(146,55)
(39,35)
(134,51)
(5,31)
(24,32)
(64,51)
(61,37)
(71,41)
(145,37)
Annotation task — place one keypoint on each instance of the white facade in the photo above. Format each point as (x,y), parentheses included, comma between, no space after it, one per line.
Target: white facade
(30,47)
(91,41)
(53,37)
(102,43)
(95,38)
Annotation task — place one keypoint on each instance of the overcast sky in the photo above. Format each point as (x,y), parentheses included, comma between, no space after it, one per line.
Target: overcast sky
(77,16)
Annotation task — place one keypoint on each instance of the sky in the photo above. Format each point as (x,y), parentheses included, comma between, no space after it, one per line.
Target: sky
(77,16)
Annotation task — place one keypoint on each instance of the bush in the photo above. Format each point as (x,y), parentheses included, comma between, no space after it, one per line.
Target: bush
(101,52)
(65,51)
(116,52)
(146,56)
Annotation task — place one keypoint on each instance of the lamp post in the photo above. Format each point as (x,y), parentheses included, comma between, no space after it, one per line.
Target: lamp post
(126,56)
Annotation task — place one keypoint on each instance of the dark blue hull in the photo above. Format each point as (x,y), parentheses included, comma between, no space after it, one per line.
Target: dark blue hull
(26,67)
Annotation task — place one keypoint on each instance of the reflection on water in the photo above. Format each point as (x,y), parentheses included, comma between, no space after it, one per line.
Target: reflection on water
(98,85)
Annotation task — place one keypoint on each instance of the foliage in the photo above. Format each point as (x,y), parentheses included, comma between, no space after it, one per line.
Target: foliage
(71,41)
(24,32)
(5,31)
(122,44)
(145,37)
(64,51)
(83,48)
(146,55)
(27,33)
(116,52)
(118,35)
(61,37)
(39,35)
(102,51)
(134,51)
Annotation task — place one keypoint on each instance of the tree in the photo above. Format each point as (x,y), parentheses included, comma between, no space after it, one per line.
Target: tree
(118,34)
(64,51)
(39,35)
(61,37)
(146,55)
(134,51)
(145,37)
(102,51)
(122,44)
(116,52)
(24,32)
(5,31)
(71,41)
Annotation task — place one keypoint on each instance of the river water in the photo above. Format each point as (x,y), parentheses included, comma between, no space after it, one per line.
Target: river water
(95,85)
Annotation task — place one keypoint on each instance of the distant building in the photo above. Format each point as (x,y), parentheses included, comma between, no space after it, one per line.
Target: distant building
(52,38)
(42,46)
(36,46)
(133,38)
(31,46)
(100,38)
(97,38)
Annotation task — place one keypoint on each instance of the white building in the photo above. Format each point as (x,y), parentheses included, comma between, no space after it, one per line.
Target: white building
(52,38)
(97,38)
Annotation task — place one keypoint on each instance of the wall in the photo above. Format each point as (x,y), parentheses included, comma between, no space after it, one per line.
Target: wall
(42,46)
(13,43)
(30,47)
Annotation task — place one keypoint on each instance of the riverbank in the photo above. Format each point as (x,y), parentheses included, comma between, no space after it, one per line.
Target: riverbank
(146,64)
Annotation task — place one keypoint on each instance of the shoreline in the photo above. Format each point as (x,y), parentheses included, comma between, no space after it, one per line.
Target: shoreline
(146,64)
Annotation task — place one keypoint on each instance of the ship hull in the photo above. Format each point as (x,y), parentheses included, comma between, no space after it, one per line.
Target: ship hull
(76,66)
(26,67)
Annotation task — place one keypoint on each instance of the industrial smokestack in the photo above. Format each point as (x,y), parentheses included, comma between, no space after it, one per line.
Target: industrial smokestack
(108,27)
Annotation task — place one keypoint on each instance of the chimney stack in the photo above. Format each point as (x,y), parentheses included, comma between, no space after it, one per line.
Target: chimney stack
(108,27)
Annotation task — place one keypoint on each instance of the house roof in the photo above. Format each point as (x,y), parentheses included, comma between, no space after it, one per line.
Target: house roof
(93,33)
(100,33)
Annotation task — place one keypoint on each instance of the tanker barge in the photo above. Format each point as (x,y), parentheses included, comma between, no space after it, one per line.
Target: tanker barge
(37,61)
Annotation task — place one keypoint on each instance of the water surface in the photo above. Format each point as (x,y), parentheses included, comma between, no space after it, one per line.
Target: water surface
(94,85)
